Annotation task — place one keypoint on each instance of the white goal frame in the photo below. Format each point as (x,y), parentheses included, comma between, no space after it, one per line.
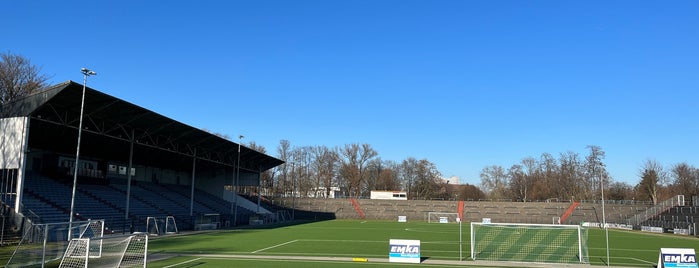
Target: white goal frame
(116,251)
(158,226)
(581,241)
(438,217)
(170,225)
(152,226)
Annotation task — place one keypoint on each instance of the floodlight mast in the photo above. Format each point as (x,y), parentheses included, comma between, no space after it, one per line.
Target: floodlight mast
(86,72)
(237,180)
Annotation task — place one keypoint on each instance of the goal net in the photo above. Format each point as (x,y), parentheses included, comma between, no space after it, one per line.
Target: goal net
(158,226)
(442,217)
(116,251)
(529,242)
(47,242)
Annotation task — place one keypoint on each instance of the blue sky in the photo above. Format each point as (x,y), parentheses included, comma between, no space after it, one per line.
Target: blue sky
(464,84)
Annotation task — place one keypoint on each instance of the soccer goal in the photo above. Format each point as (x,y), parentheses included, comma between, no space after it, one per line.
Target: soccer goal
(529,242)
(442,217)
(49,242)
(158,226)
(116,251)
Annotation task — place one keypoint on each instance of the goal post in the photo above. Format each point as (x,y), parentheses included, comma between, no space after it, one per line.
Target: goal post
(116,251)
(159,226)
(442,217)
(546,243)
(152,226)
(170,225)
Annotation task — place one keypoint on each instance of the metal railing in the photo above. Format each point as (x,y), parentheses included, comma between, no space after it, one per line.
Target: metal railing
(656,210)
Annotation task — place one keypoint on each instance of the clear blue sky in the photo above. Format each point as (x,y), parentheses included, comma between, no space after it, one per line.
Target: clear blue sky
(464,84)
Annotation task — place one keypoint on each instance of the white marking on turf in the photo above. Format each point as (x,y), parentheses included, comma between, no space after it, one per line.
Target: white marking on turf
(282,244)
(181,263)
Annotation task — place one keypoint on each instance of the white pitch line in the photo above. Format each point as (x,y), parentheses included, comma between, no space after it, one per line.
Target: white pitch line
(178,264)
(289,242)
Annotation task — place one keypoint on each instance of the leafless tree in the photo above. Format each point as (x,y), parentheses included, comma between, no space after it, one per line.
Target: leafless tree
(620,191)
(409,174)
(519,184)
(354,164)
(303,171)
(549,183)
(470,192)
(383,175)
(495,182)
(325,164)
(685,179)
(283,184)
(427,182)
(572,180)
(652,179)
(18,77)
(596,171)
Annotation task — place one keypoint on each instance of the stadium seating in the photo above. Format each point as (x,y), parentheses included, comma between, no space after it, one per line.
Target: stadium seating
(50,200)
(515,212)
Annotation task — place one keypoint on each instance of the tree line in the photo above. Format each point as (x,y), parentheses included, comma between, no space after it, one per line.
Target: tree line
(352,170)
(357,169)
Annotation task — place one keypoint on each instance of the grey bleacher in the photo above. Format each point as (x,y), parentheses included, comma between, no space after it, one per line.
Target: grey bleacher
(514,212)
(50,200)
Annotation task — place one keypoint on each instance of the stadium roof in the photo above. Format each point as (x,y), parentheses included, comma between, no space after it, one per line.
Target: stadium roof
(109,124)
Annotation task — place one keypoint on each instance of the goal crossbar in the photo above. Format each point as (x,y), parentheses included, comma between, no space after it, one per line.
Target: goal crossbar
(442,217)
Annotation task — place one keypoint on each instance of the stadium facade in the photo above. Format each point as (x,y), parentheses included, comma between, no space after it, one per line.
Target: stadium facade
(133,162)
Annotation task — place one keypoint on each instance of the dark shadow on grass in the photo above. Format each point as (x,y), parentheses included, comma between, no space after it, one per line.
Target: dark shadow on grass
(301,217)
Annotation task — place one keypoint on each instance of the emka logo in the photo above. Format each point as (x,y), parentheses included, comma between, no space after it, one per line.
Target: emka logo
(405,249)
(679,258)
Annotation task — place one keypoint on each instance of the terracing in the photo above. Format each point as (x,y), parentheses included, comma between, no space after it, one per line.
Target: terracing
(515,212)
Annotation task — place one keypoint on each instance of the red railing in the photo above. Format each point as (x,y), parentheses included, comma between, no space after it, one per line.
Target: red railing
(569,211)
(357,208)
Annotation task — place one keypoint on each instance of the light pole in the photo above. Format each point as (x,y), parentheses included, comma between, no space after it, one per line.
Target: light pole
(604,217)
(237,180)
(86,72)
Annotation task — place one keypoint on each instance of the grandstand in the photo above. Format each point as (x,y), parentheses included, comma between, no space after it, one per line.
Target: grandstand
(134,164)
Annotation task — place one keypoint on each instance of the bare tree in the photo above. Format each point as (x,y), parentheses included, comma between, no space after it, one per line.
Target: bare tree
(409,174)
(550,184)
(470,192)
(386,176)
(18,77)
(304,184)
(620,191)
(652,178)
(518,182)
(325,164)
(284,184)
(495,182)
(353,168)
(596,171)
(524,177)
(572,180)
(428,182)
(685,179)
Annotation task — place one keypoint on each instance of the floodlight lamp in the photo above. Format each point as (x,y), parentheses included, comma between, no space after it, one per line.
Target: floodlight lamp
(87,71)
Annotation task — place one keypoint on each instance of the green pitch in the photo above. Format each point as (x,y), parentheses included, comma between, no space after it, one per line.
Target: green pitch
(335,243)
